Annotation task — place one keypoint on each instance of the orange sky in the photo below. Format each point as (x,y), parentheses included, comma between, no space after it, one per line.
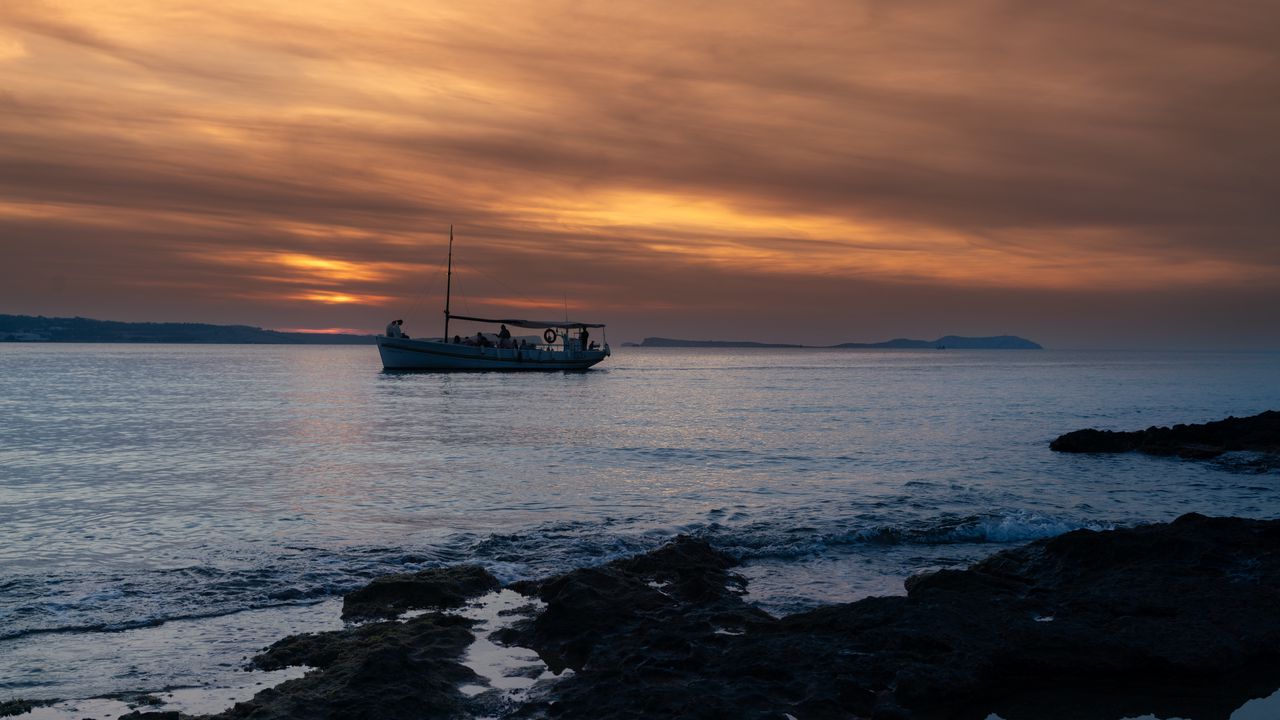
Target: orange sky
(1084,174)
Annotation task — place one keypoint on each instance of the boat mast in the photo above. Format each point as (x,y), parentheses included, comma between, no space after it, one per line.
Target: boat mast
(448,286)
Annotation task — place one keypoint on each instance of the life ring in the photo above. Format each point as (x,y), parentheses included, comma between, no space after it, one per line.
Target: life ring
(549,335)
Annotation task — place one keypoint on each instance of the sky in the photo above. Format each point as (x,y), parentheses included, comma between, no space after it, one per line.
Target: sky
(1087,174)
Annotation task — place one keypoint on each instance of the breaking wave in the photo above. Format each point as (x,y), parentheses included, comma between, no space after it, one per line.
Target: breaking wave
(100,602)
(1008,527)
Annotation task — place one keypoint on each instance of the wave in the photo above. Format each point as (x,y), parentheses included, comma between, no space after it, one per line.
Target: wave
(69,602)
(89,602)
(143,622)
(1013,526)
(1008,527)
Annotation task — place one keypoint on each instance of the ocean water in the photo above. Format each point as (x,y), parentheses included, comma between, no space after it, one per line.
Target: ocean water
(165,511)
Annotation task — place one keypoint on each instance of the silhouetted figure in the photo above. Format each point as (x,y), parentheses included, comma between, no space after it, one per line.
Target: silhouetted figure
(585,335)
(457,340)
(483,341)
(395,329)
(504,336)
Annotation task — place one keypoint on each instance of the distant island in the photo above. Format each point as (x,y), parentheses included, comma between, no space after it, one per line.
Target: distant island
(956,342)
(28,328)
(37,328)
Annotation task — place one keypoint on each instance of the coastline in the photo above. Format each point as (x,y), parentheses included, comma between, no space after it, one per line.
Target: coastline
(1085,616)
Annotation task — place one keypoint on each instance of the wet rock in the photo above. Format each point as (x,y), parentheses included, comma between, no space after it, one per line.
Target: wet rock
(408,670)
(1179,619)
(1091,440)
(1259,433)
(15,707)
(684,587)
(1185,605)
(390,595)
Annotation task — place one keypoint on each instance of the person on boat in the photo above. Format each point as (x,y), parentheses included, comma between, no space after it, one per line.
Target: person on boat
(584,337)
(394,330)
(504,337)
(457,340)
(482,341)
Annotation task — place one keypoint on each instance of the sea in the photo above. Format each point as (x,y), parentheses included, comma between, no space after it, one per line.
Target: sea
(168,510)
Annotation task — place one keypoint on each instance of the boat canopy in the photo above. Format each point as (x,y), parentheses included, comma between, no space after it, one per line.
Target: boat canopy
(529,323)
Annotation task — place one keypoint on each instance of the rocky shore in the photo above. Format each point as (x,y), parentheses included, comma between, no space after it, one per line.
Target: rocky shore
(1259,433)
(1182,605)
(1176,619)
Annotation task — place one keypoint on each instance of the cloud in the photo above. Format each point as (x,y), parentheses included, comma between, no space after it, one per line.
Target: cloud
(279,161)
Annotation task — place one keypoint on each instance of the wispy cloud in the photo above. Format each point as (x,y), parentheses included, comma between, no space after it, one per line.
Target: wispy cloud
(281,161)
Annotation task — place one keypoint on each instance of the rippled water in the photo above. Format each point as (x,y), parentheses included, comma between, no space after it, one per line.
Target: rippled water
(141,485)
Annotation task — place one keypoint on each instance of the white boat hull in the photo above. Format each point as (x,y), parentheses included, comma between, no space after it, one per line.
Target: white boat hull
(414,354)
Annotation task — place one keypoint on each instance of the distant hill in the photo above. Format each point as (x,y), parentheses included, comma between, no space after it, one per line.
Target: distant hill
(1001,342)
(27,328)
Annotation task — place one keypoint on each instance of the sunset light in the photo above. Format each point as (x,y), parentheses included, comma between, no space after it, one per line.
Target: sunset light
(844,157)
(639,359)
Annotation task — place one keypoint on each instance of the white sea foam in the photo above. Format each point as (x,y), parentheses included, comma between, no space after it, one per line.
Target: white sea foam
(190,701)
(508,671)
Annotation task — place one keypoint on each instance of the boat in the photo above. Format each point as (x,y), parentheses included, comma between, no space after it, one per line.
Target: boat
(562,345)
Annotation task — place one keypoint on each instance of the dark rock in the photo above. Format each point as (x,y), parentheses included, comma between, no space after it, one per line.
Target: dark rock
(684,585)
(1179,619)
(1096,441)
(1259,433)
(390,595)
(15,707)
(1188,605)
(406,670)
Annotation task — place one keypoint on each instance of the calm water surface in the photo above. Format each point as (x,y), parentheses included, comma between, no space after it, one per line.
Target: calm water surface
(180,506)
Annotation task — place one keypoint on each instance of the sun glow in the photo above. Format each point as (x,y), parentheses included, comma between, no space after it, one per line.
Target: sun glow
(337,298)
(331,269)
(703,230)
(325,331)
